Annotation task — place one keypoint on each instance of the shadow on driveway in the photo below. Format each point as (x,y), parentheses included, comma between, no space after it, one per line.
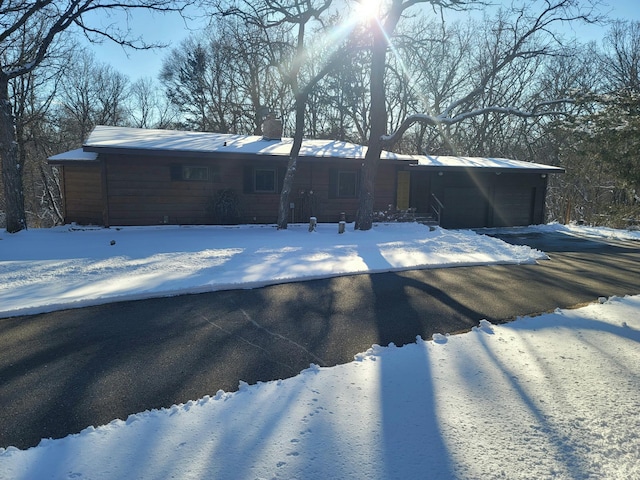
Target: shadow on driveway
(63,371)
(565,241)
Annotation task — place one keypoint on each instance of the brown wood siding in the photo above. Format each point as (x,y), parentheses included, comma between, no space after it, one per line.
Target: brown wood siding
(83,194)
(386,187)
(142,192)
(258,207)
(315,176)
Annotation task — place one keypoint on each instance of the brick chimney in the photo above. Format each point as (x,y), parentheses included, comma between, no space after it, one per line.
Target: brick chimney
(271,128)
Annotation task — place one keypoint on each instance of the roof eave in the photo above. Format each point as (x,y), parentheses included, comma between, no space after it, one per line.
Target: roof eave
(465,168)
(73,157)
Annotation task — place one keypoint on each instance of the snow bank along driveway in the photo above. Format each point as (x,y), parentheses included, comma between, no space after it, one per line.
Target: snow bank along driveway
(554,396)
(48,269)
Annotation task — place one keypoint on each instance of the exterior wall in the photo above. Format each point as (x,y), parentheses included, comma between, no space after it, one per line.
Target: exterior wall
(323,203)
(82,194)
(386,187)
(141,191)
(144,190)
(420,191)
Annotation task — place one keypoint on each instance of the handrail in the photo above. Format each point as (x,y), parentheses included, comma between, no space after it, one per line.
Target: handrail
(437,209)
(440,205)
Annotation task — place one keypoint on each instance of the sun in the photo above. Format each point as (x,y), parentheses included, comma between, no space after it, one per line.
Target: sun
(368,9)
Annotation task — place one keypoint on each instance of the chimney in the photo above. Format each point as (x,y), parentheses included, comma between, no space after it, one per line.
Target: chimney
(271,128)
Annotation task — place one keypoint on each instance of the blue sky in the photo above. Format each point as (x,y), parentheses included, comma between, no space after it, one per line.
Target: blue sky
(171,29)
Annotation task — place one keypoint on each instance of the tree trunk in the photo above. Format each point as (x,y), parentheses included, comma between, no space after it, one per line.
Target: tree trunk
(283,210)
(364,216)
(11,168)
(58,217)
(287,185)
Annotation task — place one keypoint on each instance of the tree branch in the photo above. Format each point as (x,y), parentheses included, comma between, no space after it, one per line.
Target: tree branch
(49,12)
(431,120)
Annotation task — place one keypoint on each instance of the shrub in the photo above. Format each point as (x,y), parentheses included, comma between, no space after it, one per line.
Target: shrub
(225,207)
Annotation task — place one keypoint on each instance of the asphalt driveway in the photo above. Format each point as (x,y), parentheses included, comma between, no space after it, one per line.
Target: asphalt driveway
(63,371)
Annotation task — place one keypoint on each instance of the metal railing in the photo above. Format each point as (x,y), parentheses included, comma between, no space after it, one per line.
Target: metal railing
(436,208)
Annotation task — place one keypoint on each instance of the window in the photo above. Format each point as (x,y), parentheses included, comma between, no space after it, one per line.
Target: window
(347,184)
(195,173)
(264,180)
(344,183)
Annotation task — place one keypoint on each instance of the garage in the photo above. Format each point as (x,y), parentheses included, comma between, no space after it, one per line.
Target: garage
(480,192)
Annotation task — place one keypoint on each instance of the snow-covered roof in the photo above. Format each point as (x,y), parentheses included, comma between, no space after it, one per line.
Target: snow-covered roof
(204,143)
(174,142)
(74,155)
(446,161)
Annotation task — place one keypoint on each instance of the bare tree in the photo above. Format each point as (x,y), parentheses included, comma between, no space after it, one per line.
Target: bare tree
(256,80)
(339,106)
(33,95)
(147,108)
(621,58)
(598,142)
(602,145)
(27,32)
(297,15)
(89,94)
(219,80)
(529,34)
(197,82)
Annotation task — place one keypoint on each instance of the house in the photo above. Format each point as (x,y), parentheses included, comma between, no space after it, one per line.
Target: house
(131,176)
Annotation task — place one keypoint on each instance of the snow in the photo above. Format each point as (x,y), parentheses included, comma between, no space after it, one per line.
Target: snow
(42,270)
(480,162)
(555,396)
(78,155)
(206,142)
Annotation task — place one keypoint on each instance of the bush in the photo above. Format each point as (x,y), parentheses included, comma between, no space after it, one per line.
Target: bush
(393,214)
(225,207)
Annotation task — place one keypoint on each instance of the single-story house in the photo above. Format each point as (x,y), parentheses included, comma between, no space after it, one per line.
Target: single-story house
(133,176)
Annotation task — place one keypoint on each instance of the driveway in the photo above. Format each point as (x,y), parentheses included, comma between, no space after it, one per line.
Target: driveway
(567,242)
(63,371)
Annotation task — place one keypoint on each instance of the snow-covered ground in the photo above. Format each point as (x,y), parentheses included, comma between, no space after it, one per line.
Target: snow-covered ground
(51,269)
(556,396)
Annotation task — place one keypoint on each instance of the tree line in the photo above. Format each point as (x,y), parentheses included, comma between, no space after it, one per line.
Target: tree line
(503,84)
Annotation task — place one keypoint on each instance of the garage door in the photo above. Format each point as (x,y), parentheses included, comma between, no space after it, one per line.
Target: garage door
(513,206)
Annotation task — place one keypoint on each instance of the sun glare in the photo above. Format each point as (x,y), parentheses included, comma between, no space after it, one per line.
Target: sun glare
(368,9)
